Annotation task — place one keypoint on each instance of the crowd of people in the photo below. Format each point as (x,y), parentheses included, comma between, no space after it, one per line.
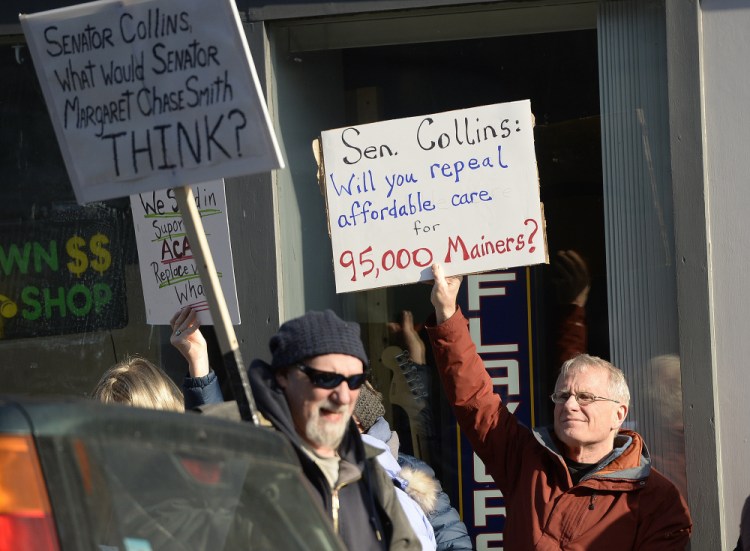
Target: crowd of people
(584,482)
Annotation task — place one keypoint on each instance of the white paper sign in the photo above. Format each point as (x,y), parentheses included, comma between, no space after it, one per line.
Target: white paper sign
(150,94)
(168,272)
(460,188)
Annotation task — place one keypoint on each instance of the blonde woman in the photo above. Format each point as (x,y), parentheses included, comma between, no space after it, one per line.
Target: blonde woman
(137,382)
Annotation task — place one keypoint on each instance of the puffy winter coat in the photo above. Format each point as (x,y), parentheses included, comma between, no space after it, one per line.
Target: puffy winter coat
(451,533)
(623,504)
(410,487)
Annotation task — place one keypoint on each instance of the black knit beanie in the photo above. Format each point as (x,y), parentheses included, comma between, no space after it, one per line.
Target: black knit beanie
(369,406)
(315,334)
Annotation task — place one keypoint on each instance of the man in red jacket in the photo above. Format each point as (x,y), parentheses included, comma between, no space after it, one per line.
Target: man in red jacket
(583,484)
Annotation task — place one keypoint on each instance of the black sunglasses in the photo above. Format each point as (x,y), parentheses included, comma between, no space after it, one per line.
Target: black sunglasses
(329,380)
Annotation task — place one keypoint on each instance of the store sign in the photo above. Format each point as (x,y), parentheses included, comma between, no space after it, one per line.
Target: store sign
(168,270)
(460,188)
(150,94)
(63,276)
(496,305)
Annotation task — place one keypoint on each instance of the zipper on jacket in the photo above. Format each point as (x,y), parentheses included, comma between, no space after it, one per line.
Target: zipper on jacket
(375,529)
(335,509)
(591,501)
(336,506)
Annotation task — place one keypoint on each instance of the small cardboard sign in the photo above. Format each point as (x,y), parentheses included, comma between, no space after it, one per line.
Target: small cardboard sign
(169,275)
(460,188)
(150,94)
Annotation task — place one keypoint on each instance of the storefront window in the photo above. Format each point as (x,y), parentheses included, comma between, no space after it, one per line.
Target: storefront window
(641,269)
(516,315)
(598,98)
(70,288)
(70,298)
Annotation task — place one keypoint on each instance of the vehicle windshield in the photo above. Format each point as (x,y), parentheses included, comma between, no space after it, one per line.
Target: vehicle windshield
(152,496)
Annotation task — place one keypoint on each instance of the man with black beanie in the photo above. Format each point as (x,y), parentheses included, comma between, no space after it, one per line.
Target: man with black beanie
(308,393)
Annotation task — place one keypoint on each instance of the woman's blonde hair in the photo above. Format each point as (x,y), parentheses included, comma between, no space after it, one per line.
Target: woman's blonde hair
(135,381)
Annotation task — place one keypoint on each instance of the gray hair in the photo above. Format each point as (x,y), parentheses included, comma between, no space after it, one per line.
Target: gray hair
(137,382)
(617,385)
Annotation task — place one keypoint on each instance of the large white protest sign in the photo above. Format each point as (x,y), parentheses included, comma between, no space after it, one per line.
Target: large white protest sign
(168,272)
(460,188)
(150,94)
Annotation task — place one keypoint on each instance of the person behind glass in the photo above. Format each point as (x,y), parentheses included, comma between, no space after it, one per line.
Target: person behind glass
(137,382)
(308,393)
(572,284)
(411,386)
(584,483)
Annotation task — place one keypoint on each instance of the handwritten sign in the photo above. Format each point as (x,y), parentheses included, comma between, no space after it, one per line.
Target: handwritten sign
(459,187)
(150,94)
(168,271)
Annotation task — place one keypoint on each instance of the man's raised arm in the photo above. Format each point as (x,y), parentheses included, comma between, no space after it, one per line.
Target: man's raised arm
(444,293)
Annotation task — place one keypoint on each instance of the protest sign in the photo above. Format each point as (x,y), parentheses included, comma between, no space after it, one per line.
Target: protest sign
(150,94)
(170,277)
(460,188)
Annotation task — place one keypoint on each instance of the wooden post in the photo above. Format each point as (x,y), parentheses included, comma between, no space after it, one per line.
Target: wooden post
(217,304)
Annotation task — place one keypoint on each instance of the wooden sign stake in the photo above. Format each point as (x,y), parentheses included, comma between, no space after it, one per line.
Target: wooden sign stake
(219,312)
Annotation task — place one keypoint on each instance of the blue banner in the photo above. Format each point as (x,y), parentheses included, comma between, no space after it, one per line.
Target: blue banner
(498,306)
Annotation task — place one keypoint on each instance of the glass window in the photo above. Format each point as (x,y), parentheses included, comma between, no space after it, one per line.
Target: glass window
(558,72)
(520,328)
(598,96)
(642,281)
(198,498)
(127,478)
(70,289)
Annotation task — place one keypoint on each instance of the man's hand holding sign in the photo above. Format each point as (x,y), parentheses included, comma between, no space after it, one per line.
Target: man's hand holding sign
(460,188)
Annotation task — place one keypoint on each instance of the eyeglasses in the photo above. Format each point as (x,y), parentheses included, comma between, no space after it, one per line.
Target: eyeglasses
(330,380)
(583,398)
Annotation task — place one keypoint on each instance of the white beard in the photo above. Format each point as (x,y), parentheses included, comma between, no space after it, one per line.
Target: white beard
(325,433)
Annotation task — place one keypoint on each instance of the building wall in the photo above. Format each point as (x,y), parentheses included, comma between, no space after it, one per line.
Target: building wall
(708,50)
(726,51)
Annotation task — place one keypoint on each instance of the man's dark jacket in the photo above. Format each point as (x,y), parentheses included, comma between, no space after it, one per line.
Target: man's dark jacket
(369,515)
